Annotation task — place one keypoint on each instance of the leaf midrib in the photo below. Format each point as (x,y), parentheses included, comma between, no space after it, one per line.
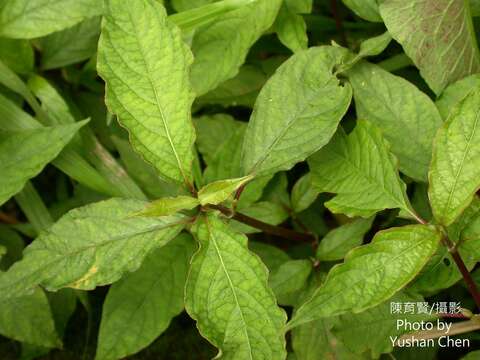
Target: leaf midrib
(157,100)
(232,288)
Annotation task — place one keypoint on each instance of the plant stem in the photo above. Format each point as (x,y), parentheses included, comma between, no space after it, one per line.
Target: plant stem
(338,22)
(467,277)
(267,228)
(7,219)
(452,249)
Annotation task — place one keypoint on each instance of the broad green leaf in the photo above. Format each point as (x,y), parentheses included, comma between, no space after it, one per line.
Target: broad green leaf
(270,255)
(213,131)
(454,172)
(228,296)
(184,5)
(144,173)
(220,48)
(406,116)
(23,154)
(297,111)
(28,318)
(90,246)
(339,241)
(266,211)
(71,45)
(303,194)
(139,307)
(148,86)
(168,206)
(288,279)
(456,92)
(366,9)
(69,161)
(290,25)
(371,273)
(315,340)
(200,16)
(63,304)
(371,331)
(359,168)
(17,55)
(27,19)
(241,90)
(438,35)
(219,191)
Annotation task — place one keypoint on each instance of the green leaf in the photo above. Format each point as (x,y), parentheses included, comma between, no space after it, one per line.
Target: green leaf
(303,193)
(339,241)
(438,35)
(270,255)
(359,168)
(12,245)
(148,86)
(89,246)
(315,340)
(454,172)
(288,279)
(370,47)
(184,5)
(266,211)
(472,355)
(213,131)
(34,208)
(23,154)
(227,294)
(199,16)
(27,19)
(406,116)
(17,55)
(366,9)
(168,206)
(456,92)
(225,163)
(219,191)
(290,25)
(297,111)
(144,173)
(228,40)
(371,273)
(441,271)
(71,45)
(241,90)
(29,319)
(139,307)
(361,332)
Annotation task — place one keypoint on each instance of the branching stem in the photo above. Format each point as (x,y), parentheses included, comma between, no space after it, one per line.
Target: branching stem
(267,228)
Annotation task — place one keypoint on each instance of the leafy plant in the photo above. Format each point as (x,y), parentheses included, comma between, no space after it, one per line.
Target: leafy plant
(251,179)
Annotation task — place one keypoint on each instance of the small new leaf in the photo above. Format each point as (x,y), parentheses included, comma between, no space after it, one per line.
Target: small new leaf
(219,191)
(168,206)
